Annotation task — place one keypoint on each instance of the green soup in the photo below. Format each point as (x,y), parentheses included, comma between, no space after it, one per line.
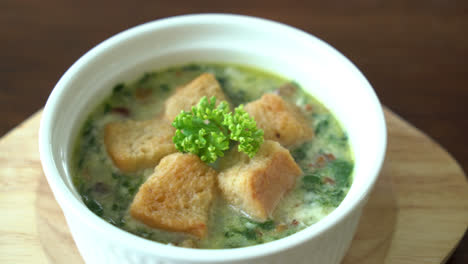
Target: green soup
(326,160)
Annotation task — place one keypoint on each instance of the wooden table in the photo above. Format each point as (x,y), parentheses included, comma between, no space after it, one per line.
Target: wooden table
(414,53)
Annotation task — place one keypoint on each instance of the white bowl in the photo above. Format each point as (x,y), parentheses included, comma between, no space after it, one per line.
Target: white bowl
(275,47)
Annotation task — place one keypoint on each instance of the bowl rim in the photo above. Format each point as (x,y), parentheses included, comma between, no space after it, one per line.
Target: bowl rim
(66,199)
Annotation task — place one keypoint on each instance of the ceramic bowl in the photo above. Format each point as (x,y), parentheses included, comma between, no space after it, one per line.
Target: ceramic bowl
(275,47)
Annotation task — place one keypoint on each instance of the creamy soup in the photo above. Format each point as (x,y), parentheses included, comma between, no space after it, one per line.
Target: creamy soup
(326,160)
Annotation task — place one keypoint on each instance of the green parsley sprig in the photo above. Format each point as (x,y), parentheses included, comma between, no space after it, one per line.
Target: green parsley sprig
(243,129)
(206,130)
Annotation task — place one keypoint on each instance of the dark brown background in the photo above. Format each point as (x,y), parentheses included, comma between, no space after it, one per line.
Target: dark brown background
(414,53)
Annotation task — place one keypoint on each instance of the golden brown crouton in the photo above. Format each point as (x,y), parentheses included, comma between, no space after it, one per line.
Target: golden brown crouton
(189,95)
(135,145)
(178,195)
(256,185)
(279,120)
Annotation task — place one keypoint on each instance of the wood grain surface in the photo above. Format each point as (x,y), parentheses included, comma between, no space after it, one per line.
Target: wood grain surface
(414,53)
(416,213)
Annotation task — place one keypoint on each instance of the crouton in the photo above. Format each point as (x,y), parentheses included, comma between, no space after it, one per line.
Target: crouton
(256,185)
(135,145)
(189,95)
(279,120)
(178,196)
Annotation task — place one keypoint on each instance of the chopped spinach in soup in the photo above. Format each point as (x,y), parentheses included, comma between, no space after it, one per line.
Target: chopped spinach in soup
(326,160)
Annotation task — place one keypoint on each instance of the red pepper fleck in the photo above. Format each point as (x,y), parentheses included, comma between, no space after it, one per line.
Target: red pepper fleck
(320,162)
(330,156)
(121,110)
(308,107)
(101,187)
(294,222)
(328,180)
(259,233)
(141,93)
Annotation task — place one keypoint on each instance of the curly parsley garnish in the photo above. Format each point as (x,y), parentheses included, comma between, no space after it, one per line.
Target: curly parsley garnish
(206,130)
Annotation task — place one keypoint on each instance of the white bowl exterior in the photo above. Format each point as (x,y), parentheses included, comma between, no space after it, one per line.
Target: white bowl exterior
(316,66)
(329,247)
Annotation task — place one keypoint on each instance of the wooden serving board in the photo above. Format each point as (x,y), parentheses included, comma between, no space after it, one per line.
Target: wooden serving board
(416,214)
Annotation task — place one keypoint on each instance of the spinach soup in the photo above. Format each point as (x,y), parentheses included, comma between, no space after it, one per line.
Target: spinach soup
(130,173)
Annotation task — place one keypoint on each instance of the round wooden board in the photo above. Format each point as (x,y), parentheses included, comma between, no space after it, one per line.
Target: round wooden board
(417,212)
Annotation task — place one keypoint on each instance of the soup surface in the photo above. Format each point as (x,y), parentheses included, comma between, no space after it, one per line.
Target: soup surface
(326,160)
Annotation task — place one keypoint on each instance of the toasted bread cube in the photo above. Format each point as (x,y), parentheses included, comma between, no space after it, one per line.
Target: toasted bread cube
(280,121)
(178,196)
(135,145)
(256,185)
(189,95)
